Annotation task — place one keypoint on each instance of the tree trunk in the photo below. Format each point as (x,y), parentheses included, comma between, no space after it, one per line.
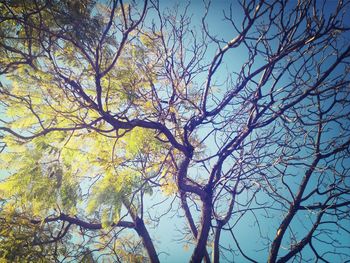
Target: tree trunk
(191,222)
(291,213)
(142,231)
(146,240)
(216,252)
(203,234)
(279,236)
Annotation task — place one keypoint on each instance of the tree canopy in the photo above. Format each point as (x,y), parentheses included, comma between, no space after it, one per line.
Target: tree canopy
(115,116)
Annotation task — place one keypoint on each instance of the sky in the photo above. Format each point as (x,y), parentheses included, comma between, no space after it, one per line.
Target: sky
(247,231)
(166,233)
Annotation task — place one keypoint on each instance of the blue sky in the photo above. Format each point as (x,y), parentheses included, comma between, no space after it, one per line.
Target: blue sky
(166,234)
(247,231)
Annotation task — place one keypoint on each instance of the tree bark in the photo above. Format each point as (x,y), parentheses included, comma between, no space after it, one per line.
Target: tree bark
(293,209)
(216,252)
(203,234)
(191,222)
(142,231)
(146,240)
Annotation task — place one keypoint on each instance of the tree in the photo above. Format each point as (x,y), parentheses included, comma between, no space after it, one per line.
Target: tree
(108,108)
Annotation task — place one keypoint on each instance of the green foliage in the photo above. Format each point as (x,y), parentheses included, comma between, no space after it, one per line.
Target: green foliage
(129,249)
(84,168)
(17,238)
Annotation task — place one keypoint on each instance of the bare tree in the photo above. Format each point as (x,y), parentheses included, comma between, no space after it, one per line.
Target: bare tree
(110,107)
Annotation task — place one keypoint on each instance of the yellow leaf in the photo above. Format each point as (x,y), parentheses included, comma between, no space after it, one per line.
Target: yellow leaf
(148,105)
(186,247)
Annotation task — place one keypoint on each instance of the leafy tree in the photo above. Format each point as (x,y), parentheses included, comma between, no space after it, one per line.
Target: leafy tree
(109,108)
